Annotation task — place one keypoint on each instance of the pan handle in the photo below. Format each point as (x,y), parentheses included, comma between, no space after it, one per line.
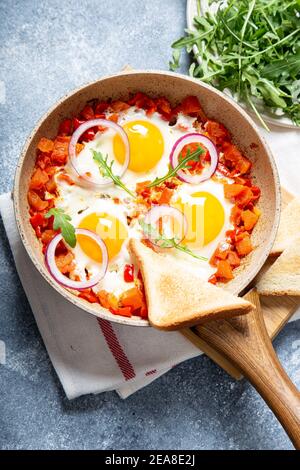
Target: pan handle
(245,342)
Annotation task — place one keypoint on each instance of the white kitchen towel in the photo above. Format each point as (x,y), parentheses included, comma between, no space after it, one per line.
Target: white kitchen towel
(91,355)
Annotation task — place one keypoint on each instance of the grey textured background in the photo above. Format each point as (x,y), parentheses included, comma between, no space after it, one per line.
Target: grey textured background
(48,48)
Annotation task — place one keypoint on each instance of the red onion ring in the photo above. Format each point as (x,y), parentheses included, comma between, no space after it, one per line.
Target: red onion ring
(157,212)
(64,280)
(191,139)
(78,133)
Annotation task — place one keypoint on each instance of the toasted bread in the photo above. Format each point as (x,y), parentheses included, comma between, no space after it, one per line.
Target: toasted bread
(177,297)
(283,277)
(289,227)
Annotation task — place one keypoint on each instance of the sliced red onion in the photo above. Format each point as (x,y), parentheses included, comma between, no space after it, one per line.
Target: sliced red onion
(157,212)
(64,280)
(192,139)
(78,133)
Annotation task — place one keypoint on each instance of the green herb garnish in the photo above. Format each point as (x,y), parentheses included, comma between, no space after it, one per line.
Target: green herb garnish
(62,221)
(251,48)
(183,164)
(107,172)
(163,242)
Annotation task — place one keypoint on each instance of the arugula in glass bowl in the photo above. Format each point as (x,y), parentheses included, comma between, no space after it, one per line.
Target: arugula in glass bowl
(250,49)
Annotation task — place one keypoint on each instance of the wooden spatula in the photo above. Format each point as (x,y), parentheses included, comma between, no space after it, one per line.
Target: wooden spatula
(244,342)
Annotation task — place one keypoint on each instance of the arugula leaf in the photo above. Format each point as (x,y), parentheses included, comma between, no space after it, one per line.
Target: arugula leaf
(252,48)
(163,242)
(290,66)
(174,64)
(62,221)
(183,164)
(106,171)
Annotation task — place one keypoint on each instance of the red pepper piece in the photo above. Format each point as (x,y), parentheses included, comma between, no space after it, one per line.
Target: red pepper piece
(129,273)
(37,220)
(65,127)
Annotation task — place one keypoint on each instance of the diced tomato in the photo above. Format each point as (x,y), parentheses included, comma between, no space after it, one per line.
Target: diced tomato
(65,262)
(107,299)
(51,185)
(163,107)
(233,259)
(47,236)
(87,136)
(37,220)
(45,145)
(245,181)
(244,246)
(132,298)
(232,190)
(65,127)
(256,193)
(87,113)
(196,166)
(142,188)
(220,253)
(217,132)
(143,312)
(224,271)
(50,170)
(123,311)
(190,105)
(250,219)
(89,295)
(36,202)
(213,279)
(38,179)
(243,166)
(129,273)
(113,117)
(235,216)
(140,100)
(50,221)
(244,197)
(239,163)
(43,160)
(118,106)
(60,151)
(165,196)
(101,107)
(77,122)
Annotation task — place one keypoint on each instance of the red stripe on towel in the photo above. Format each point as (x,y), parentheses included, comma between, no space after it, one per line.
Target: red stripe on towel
(151,372)
(116,349)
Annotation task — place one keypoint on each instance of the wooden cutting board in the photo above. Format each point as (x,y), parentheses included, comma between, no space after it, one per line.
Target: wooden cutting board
(276,313)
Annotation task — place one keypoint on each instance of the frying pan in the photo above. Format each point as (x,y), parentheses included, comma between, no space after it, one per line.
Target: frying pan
(175,87)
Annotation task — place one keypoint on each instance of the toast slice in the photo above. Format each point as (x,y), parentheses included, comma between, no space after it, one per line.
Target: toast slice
(289,227)
(283,277)
(177,297)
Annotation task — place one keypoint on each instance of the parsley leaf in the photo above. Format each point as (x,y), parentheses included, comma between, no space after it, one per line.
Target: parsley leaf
(62,221)
(107,171)
(163,242)
(183,164)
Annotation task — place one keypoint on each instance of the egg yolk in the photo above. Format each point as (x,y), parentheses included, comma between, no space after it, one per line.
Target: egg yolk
(205,218)
(112,231)
(146,145)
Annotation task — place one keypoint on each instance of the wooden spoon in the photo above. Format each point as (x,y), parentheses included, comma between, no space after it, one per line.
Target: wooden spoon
(244,341)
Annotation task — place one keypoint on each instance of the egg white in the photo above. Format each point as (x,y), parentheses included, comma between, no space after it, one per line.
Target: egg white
(80,200)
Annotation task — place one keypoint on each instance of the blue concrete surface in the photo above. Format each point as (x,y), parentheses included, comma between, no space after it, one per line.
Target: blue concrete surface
(48,48)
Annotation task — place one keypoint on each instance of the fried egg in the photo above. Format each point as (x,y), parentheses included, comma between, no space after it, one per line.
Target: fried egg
(109,211)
